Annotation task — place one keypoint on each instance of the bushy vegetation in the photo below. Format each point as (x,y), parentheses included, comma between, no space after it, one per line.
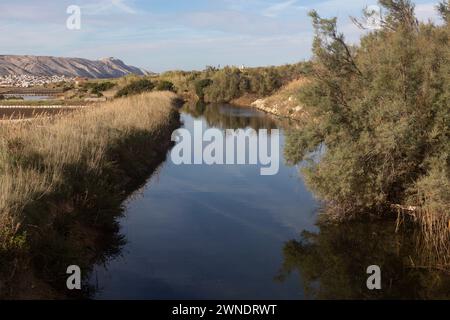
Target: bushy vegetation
(165,85)
(98,87)
(200,86)
(228,83)
(381,111)
(231,83)
(136,87)
(184,81)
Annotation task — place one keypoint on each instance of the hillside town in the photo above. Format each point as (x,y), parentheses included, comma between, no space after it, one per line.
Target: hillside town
(26,81)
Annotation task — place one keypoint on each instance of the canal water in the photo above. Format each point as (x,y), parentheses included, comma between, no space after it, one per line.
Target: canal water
(26,97)
(210,232)
(36,98)
(226,232)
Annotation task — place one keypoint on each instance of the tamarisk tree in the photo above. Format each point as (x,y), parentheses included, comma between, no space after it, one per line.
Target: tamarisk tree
(381,111)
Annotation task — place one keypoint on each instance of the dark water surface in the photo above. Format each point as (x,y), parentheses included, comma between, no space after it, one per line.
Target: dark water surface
(226,232)
(212,232)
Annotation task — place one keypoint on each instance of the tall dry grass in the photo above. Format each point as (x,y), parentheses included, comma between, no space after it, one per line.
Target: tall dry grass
(45,156)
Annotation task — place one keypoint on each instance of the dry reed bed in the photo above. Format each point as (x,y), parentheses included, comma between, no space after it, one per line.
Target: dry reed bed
(36,156)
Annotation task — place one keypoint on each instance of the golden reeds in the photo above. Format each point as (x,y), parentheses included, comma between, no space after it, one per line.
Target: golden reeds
(34,155)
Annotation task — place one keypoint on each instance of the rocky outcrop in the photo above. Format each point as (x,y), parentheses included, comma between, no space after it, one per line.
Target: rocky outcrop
(286,102)
(287,108)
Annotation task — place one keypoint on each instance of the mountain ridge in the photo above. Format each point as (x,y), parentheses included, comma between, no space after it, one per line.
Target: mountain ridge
(61,66)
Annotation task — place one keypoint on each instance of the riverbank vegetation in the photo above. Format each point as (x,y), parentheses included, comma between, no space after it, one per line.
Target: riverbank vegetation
(223,85)
(381,111)
(213,85)
(98,87)
(73,172)
(135,87)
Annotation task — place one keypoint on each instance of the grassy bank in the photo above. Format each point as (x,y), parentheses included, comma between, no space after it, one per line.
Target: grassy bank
(63,180)
(31,113)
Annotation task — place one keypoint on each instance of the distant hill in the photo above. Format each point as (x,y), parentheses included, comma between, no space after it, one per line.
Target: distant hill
(70,67)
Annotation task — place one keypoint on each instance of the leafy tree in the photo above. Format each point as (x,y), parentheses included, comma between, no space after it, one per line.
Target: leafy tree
(400,14)
(244,84)
(224,85)
(381,111)
(200,86)
(444,10)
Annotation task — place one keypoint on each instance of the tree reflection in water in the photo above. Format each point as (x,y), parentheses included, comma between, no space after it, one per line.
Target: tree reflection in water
(333,262)
(227,117)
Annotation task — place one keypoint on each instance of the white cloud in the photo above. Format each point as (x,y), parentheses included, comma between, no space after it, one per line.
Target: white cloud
(427,11)
(251,32)
(107,6)
(276,9)
(121,5)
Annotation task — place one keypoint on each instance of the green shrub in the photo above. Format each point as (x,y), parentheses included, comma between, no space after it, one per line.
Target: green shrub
(230,82)
(225,84)
(382,111)
(200,86)
(164,85)
(135,87)
(98,87)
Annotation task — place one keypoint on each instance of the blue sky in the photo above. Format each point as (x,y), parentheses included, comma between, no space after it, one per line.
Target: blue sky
(176,34)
